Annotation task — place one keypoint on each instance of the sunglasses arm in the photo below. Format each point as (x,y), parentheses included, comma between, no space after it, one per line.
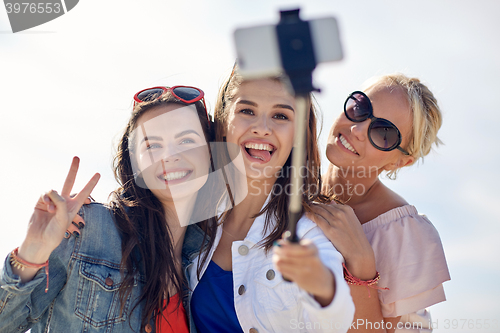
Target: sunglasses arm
(403,151)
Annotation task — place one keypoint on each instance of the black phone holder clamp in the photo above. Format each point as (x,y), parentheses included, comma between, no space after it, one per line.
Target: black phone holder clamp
(297,51)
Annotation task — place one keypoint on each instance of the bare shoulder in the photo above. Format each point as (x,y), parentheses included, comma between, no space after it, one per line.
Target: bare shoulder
(391,198)
(381,200)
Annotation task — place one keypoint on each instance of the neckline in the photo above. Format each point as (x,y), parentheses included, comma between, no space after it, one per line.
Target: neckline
(218,268)
(390,216)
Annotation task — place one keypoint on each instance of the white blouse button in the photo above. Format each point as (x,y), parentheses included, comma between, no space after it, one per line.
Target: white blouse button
(243,250)
(241,290)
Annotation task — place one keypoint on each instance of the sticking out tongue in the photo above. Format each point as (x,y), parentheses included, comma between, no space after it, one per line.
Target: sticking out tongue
(264,155)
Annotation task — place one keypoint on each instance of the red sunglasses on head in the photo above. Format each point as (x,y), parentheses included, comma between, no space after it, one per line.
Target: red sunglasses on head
(184,94)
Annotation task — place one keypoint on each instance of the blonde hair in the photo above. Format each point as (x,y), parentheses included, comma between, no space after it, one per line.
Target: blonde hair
(427,117)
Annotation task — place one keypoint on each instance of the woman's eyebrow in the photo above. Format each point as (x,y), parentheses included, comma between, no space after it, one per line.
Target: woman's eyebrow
(283,106)
(276,106)
(247,102)
(151,138)
(186,132)
(178,135)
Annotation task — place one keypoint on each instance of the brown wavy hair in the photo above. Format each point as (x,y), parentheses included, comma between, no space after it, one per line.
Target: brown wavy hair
(277,207)
(147,245)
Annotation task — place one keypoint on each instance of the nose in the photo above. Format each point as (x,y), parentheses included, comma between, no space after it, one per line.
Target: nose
(360,130)
(171,154)
(262,126)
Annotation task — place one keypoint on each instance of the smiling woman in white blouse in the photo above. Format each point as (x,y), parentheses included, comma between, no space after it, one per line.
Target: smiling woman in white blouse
(241,288)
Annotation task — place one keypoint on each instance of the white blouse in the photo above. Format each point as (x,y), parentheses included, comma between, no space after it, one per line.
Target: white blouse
(264,302)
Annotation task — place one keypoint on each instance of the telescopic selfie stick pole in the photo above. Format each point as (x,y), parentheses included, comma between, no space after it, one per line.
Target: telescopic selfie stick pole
(298,61)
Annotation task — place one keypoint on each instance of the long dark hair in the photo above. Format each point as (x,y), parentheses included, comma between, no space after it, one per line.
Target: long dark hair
(147,245)
(277,207)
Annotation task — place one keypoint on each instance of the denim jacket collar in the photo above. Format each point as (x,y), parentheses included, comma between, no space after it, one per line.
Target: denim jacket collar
(193,239)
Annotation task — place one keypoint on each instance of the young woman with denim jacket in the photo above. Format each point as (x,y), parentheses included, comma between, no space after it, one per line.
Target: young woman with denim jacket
(240,287)
(124,272)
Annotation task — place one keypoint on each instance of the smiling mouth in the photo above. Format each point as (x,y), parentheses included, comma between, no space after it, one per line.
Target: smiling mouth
(347,145)
(260,151)
(176,175)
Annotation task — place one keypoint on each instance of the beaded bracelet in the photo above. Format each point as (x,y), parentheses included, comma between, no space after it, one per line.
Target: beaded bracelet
(350,279)
(21,264)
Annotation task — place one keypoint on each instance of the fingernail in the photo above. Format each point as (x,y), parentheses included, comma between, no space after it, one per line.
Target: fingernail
(76,234)
(276,244)
(66,234)
(80,225)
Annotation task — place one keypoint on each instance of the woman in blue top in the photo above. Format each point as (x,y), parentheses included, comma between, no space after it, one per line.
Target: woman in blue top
(240,288)
(124,271)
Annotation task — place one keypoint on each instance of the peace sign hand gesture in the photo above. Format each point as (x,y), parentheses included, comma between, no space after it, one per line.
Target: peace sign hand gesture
(52,216)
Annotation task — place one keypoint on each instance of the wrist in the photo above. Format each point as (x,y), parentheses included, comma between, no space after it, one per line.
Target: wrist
(27,270)
(325,295)
(34,253)
(372,283)
(362,267)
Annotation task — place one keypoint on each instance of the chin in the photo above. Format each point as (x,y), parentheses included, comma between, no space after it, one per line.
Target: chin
(330,153)
(339,160)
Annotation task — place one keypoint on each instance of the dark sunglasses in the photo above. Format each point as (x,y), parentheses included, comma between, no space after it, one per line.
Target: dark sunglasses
(185,94)
(382,134)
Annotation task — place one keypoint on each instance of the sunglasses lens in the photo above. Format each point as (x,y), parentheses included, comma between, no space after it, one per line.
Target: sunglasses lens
(358,107)
(186,94)
(150,94)
(384,134)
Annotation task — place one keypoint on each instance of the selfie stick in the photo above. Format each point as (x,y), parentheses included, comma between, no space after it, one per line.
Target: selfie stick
(295,47)
(298,61)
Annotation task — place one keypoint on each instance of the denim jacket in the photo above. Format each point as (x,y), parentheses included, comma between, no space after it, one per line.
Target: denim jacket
(84,279)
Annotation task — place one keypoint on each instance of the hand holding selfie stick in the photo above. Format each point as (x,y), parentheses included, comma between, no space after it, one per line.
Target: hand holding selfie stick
(295,47)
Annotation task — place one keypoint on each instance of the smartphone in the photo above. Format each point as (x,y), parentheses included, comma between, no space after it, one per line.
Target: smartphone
(258,50)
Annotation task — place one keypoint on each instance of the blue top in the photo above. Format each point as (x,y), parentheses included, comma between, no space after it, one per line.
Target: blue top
(213,302)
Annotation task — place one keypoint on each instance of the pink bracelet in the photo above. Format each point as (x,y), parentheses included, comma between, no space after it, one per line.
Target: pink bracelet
(358,282)
(19,263)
